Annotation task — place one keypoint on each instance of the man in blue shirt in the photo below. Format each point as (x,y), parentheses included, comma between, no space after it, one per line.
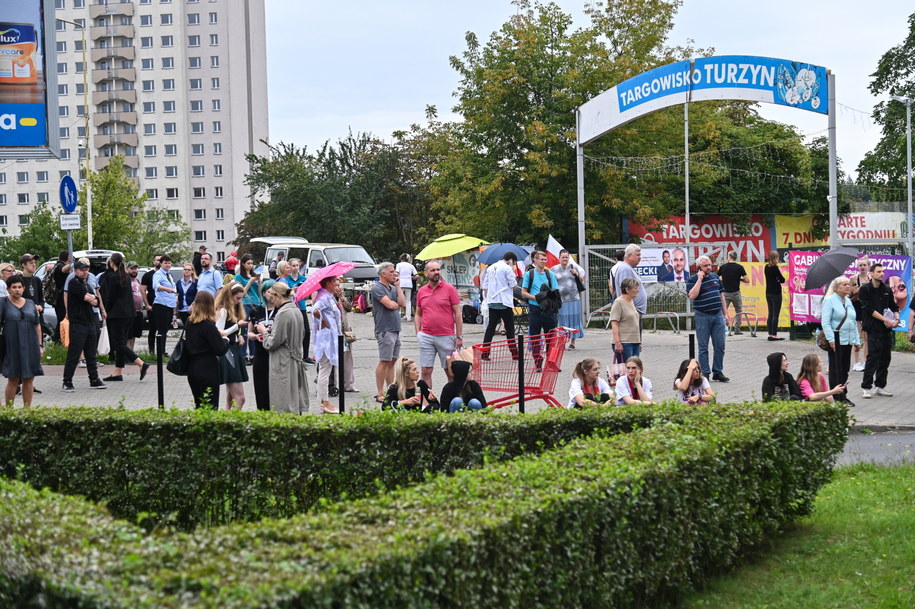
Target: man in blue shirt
(539,321)
(704,289)
(166,299)
(210,280)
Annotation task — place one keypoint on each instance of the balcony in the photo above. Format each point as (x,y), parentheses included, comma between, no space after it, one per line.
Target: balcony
(99,118)
(114,73)
(111,31)
(126,95)
(113,53)
(125,139)
(129,161)
(112,8)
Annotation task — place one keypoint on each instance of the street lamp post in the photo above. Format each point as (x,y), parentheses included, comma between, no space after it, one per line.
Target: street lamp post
(908,155)
(86,114)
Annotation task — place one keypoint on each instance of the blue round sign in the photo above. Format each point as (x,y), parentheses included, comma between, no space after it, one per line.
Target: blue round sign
(68,196)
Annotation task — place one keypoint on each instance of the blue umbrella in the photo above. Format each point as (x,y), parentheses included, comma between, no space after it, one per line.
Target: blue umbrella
(495,252)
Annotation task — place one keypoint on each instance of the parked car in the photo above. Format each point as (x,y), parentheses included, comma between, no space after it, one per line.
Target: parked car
(319,255)
(97,261)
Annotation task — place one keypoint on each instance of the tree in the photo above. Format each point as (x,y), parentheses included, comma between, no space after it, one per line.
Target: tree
(41,237)
(895,75)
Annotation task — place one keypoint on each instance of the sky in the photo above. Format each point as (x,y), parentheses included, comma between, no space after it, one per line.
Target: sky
(373,67)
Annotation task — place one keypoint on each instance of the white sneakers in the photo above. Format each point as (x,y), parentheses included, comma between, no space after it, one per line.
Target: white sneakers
(859,367)
(866,394)
(883,392)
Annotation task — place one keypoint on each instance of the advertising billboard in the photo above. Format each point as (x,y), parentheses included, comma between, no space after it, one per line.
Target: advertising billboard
(28,89)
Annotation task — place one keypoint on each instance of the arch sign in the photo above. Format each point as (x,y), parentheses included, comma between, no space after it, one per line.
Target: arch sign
(757,79)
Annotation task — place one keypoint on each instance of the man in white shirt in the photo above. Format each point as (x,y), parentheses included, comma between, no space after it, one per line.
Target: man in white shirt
(500,284)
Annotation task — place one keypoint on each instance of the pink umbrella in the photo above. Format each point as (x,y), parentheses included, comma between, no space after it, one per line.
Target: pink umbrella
(314,280)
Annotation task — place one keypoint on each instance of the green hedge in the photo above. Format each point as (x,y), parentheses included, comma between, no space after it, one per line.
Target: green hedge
(626,521)
(205,468)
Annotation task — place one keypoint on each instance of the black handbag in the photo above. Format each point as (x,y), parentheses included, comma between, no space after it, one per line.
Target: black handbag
(178,360)
(579,283)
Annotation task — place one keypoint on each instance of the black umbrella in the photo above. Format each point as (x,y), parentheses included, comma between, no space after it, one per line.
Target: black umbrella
(829,266)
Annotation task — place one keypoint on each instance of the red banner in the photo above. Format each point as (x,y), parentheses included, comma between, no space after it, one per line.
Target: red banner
(751,247)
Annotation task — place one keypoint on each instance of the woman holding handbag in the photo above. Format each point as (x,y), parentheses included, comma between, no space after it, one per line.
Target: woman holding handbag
(841,331)
(203,345)
(571,279)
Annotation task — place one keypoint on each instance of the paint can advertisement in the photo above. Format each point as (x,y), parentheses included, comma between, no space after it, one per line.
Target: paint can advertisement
(23,99)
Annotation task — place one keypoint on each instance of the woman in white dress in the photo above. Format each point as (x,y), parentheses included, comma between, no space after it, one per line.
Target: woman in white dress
(408,275)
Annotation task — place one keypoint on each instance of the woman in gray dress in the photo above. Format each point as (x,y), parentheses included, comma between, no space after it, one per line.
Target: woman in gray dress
(570,314)
(22,333)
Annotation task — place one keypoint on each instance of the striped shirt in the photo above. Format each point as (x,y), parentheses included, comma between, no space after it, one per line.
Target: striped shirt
(709,298)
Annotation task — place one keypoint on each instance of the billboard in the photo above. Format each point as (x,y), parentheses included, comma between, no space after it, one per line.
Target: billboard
(720,230)
(28,89)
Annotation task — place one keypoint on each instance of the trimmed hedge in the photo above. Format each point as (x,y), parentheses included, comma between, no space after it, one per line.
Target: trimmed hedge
(206,468)
(626,521)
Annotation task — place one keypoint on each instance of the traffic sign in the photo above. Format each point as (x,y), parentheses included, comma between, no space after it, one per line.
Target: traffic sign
(69,222)
(68,196)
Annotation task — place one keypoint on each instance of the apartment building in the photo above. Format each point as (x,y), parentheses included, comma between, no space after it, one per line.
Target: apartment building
(178,87)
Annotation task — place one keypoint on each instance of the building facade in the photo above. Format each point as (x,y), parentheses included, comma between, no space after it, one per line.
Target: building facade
(178,87)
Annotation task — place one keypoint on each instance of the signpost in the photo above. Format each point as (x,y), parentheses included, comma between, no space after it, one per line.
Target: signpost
(68,200)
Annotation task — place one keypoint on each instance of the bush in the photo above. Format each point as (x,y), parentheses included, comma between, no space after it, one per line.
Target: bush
(626,521)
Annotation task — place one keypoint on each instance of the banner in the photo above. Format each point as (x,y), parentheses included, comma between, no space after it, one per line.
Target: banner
(460,269)
(662,264)
(807,306)
(715,229)
(23,87)
(758,79)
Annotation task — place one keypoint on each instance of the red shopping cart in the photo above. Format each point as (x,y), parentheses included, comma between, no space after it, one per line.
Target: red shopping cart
(496,367)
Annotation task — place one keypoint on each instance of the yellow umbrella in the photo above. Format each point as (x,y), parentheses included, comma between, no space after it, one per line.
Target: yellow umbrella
(449,245)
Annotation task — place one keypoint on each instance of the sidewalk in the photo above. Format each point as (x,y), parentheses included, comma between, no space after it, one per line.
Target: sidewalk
(662,352)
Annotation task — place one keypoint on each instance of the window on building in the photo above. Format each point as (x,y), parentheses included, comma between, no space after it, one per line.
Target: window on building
(217,105)
(193,62)
(62,173)
(152,193)
(80,87)
(193,18)
(171,193)
(63,111)
(79,3)
(64,133)
(3,178)
(80,131)
(168,106)
(65,153)
(200,214)
(62,89)
(196,105)
(168,41)
(217,170)
(214,83)
(220,235)
(193,41)
(59,4)
(152,172)
(220,213)
(62,67)
(196,84)
(217,192)
(149,151)
(217,126)
(149,107)
(145,20)
(23,198)
(217,148)
(41,176)
(214,18)
(61,46)
(165,18)
(80,110)
(171,150)
(198,171)
(146,42)
(149,85)
(168,63)
(196,127)
(42,197)
(171,128)
(22,177)
(196,149)
(200,235)
(200,192)
(146,64)
(171,171)
(149,128)
(23,219)
(168,84)
(60,26)
(214,61)
(214,40)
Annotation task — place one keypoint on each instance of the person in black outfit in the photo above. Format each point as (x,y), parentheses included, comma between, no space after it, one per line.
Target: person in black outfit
(876,298)
(117,296)
(779,384)
(83,328)
(204,344)
(150,299)
(59,274)
(462,393)
(195,262)
(774,281)
(732,275)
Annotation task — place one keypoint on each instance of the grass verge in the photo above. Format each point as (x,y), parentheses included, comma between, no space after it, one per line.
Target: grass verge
(855,551)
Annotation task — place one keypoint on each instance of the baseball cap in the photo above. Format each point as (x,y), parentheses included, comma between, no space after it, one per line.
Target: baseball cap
(132,265)
(27,258)
(79,264)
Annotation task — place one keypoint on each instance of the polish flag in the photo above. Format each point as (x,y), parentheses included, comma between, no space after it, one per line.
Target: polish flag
(552,252)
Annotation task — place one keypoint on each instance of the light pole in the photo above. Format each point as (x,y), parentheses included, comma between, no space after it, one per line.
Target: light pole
(86,114)
(908,155)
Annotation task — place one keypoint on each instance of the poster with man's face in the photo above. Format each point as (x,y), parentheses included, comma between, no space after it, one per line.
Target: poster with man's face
(663,264)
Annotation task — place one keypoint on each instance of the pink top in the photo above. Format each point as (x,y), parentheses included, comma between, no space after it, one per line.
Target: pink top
(807,390)
(437,308)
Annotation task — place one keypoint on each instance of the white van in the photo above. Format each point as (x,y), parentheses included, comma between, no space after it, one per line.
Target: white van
(318,255)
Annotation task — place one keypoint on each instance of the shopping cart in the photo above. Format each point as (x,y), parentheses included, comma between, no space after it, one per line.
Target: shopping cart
(495,367)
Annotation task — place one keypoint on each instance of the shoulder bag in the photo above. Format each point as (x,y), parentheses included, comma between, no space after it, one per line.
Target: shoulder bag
(822,343)
(178,361)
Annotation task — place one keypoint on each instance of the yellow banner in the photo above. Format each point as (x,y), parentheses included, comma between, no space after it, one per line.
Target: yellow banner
(753,296)
(793,232)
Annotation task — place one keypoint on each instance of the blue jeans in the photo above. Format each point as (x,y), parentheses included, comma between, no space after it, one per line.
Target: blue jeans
(630,349)
(457,405)
(539,323)
(711,325)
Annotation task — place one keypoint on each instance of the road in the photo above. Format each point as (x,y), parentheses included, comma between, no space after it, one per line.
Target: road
(885,448)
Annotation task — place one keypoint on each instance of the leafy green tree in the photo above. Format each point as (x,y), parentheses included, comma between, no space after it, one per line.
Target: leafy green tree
(895,75)
(42,237)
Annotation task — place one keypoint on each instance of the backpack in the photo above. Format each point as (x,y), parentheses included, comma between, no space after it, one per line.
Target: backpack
(49,287)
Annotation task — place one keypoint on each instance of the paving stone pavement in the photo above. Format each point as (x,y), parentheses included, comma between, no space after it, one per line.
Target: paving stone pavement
(662,352)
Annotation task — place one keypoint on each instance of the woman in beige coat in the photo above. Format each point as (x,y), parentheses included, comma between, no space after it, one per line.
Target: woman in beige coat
(288,385)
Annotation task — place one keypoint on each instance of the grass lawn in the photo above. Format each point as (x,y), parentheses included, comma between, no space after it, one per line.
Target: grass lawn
(856,551)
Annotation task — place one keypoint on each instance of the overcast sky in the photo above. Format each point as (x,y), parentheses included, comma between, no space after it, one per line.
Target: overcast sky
(374,66)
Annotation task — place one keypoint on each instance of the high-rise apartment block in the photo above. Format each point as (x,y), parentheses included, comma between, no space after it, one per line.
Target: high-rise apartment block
(178,87)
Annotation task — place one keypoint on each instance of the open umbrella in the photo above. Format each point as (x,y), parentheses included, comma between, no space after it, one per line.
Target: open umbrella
(314,280)
(494,253)
(829,266)
(449,245)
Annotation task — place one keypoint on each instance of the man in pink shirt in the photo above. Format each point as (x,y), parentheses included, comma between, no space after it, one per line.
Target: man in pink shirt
(438,321)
